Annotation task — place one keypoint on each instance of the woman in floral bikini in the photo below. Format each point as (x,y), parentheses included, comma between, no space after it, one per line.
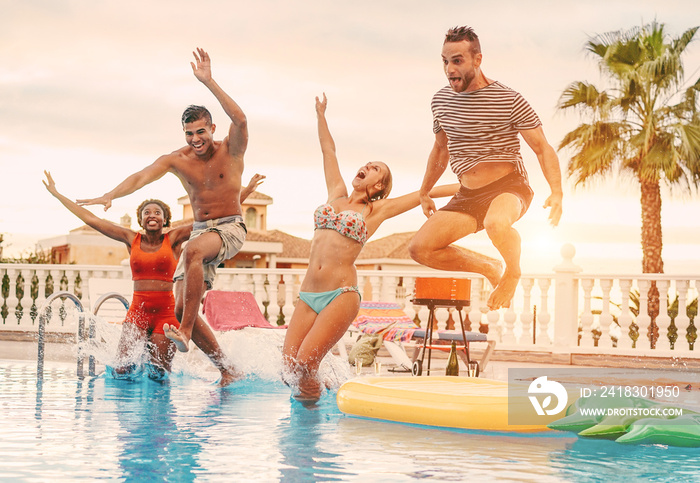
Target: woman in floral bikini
(329,298)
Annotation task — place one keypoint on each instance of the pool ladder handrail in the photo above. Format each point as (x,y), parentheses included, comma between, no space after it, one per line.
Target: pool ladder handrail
(81,328)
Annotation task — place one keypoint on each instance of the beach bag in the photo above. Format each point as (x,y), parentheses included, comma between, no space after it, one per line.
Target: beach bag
(365,349)
(367,346)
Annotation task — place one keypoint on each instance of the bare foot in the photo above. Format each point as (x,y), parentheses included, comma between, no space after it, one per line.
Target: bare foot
(306,401)
(309,391)
(130,371)
(229,376)
(173,333)
(156,372)
(503,294)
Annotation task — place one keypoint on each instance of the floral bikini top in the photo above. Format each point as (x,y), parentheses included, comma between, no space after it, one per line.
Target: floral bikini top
(348,223)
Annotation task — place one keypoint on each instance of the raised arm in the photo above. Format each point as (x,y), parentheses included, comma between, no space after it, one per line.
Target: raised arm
(238,131)
(252,186)
(437,162)
(549,162)
(385,209)
(334,180)
(105,227)
(134,182)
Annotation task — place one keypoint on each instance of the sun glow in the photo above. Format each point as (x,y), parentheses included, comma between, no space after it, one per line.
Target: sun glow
(541,251)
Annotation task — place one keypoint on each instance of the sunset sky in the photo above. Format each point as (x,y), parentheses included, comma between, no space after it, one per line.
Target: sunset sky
(93,91)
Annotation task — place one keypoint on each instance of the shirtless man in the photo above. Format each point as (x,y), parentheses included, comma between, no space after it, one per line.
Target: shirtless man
(210,172)
(476,122)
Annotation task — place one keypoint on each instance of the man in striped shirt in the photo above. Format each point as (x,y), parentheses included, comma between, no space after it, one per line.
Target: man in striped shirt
(476,122)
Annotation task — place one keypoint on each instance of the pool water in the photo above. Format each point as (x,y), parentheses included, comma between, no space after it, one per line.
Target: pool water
(186,429)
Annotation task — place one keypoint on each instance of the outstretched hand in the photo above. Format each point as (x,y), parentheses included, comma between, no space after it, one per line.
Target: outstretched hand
(252,186)
(255,181)
(202,69)
(555,205)
(49,183)
(321,105)
(102,200)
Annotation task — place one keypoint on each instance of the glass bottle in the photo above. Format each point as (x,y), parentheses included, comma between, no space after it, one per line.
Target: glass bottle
(452,368)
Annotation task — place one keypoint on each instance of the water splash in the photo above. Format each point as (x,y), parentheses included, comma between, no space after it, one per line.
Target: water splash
(253,351)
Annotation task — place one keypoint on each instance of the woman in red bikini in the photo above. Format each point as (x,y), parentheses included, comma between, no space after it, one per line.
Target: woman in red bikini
(153,259)
(329,298)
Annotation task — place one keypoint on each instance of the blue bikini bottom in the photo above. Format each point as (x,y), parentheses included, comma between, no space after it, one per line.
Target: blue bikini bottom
(320,300)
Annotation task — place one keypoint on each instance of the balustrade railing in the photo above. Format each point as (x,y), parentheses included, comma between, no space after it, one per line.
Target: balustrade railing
(24,289)
(561,312)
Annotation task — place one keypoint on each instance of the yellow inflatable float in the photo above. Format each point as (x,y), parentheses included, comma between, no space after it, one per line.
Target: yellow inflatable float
(444,401)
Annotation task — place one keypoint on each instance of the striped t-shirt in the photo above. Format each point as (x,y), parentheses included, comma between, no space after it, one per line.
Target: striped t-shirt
(482,125)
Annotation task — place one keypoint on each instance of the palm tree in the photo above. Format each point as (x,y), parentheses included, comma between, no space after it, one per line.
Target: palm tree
(645,124)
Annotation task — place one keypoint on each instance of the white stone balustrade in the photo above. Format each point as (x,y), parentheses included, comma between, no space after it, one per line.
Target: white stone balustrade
(544,315)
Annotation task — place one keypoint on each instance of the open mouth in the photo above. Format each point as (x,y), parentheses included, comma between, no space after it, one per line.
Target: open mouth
(361,174)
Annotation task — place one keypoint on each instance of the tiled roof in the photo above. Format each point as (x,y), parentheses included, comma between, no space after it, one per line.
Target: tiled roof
(256,195)
(292,246)
(392,246)
(84,229)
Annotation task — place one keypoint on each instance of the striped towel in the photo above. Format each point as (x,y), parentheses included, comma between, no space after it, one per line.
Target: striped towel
(376,316)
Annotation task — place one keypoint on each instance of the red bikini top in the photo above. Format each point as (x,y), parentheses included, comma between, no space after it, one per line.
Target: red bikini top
(158,265)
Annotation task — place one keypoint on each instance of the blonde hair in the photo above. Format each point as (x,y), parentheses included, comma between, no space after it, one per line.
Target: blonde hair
(387,182)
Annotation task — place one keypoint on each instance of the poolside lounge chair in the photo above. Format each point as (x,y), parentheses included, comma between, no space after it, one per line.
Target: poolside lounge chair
(374,316)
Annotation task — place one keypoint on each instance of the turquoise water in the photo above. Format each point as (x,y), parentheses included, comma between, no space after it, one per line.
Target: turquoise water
(186,429)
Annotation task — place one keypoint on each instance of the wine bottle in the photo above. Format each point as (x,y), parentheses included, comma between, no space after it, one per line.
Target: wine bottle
(452,368)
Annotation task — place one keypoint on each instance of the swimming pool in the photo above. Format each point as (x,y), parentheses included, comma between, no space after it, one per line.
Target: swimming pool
(185,429)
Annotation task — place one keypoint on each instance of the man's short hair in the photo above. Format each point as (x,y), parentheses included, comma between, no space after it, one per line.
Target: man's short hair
(195,113)
(457,34)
